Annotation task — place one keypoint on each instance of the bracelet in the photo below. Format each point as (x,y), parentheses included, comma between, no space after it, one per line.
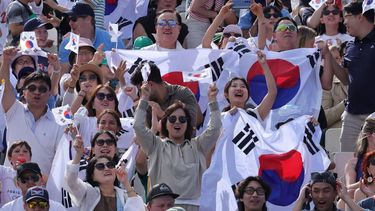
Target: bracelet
(56,71)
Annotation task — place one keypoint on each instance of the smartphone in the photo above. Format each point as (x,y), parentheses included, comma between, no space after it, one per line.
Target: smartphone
(241,4)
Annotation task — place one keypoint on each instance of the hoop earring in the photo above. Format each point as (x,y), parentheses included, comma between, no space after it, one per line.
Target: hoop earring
(370,179)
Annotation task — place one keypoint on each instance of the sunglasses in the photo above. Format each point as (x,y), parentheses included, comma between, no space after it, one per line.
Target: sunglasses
(92,77)
(181,119)
(33,88)
(334,12)
(101,96)
(40,204)
(109,142)
(25,179)
(227,35)
(73,18)
(164,22)
(269,15)
(284,27)
(101,166)
(250,191)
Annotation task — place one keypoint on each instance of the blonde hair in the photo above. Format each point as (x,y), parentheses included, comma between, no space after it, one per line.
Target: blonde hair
(305,33)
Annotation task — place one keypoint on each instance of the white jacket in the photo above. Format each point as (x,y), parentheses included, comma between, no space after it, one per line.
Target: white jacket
(87,197)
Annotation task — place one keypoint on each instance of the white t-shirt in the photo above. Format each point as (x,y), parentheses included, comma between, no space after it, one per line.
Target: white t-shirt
(17,205)
(333,39)
(9,189)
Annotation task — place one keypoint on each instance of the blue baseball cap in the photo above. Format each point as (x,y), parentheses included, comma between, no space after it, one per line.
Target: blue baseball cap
(35,23)
(81,10)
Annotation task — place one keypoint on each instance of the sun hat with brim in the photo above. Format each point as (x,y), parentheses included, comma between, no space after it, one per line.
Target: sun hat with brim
(232,28)
(36,23)
(18,55)
(160,190)
(83,42)
(91,68)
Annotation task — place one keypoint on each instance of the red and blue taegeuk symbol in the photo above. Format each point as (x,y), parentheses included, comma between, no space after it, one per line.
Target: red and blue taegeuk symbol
(285,174)
(110,6)
(177,78)
(68,114)
(287,77)
(29,44)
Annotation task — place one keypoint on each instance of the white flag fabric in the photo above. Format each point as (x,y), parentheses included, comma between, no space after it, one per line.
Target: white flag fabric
(368,5)
(56,178)
(296,73)
(315,4)
(219,62)
(72,45)
(63,115)
(129,158)
(284,159)
(114,32)
(28,43)
(124,13)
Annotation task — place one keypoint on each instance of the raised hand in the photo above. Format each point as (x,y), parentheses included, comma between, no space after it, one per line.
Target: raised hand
(257,9)
(99,55)
(9,53)
(53,60)
(120,70)
(212,92)
(145,91)
(261,57)
(78,146)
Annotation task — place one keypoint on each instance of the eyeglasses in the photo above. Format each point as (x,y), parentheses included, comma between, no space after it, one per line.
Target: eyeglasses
(24,61)
(250,191)
(284,27)
(33,88)
(101,166)
(164,22)
(109,142)
(40,204)
(101,96)
(25,179)
(182,119)
(227,35)
(269,15)
(334,12)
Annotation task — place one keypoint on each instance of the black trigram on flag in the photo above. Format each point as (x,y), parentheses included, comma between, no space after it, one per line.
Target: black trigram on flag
(246,139)
(137,62)
(307,139)
(313,58)
(122,22)
(66,201)
(240,48)
(216,68)
(128,113)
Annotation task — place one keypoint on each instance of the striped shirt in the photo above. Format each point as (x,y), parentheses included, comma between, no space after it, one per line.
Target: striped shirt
(208,5)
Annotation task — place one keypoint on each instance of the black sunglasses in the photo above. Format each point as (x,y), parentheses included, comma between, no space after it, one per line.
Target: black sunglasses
(250,191)
(109,142)
(334,12)
(269,15)
(101,96)
(92,77)
(33,88)
(25,179)
(101,166)
(181,119)
(227,35)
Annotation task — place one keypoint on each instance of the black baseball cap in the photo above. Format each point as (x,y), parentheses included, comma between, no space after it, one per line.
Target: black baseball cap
(24,72)
(35,23)
(28,167)
(160,190)
(81,10)
(36,192)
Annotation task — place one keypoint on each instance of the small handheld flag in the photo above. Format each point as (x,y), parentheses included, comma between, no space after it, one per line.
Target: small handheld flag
(114,32)
(73,43)
(28,42)
(63,115)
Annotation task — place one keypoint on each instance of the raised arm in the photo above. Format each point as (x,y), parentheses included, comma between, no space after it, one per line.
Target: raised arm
(340,72)
(145,137)
(266,105)
(314,20)
(197,6)
(54,67)
(8,96)
(219,19)
(208,138)
(257,9)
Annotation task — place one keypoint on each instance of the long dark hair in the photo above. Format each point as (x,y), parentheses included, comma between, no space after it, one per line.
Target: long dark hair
(112,135)
(90,103)
(90,171)
(341,28)
(240,191)
(229,84)
(114,114)
(189,129)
